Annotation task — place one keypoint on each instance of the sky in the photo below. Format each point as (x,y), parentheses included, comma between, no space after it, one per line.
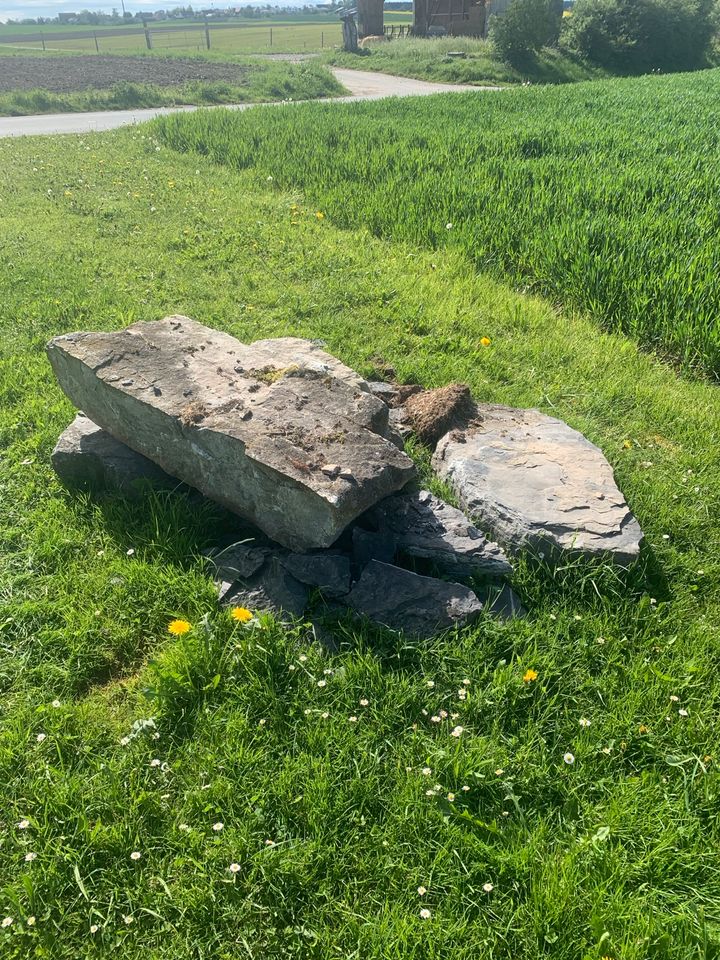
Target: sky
(18,9)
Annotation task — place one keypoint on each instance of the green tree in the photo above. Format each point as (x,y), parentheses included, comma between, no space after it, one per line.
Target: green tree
(639,36)
(526,27)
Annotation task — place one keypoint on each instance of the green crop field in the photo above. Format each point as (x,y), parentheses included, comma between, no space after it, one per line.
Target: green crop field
(139,767)
(273,35)
(602,195)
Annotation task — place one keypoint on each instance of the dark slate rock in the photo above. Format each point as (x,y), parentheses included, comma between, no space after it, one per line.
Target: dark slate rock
(401,600)
(239,560)
(501,602)
(424,526)
(273,589)
(87,457)
(329,571)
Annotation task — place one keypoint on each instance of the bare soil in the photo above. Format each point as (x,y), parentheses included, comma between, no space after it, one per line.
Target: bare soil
(433,413)
(69,74)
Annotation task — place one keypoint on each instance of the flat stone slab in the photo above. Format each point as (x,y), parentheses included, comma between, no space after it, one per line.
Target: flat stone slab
(534,482)
(279,431)
(422,525)
(87,457)
(402,600)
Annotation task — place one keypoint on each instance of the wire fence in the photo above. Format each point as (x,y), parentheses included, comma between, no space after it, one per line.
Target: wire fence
(227,38)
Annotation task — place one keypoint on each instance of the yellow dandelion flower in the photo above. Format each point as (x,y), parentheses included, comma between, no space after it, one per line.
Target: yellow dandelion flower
(529,676)
(485,341)
(178,627)
(241,614)
(643,728)
(320,216)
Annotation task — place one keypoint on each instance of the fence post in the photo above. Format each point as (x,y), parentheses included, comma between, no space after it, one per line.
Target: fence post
(270,36)
(148,37)
(42,40)
(322,39)
(207,34)
(97,46)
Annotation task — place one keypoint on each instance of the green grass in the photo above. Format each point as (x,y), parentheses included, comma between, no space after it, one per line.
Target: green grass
(614,856)
(428,59)
(603,196)
(263,82)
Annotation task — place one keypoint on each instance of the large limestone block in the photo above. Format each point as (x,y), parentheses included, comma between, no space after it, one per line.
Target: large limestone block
(278,431)
(532,481)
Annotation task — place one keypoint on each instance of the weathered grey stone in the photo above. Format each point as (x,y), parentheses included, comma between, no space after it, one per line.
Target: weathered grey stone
(424,526)
(86,456)
(273,589)
(249,426)
(401,600)
(399,423)
(532,481)
(329,571)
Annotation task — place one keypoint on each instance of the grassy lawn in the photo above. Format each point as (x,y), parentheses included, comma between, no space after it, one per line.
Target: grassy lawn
(603,195)
(119,738)
(429,59)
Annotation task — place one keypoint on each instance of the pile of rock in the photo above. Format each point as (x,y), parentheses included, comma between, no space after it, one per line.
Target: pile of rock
(309,453)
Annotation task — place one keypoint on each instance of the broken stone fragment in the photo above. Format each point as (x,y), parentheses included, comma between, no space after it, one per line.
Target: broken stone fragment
(534,482)
(401,600)
(87,457)
(422,525)
(273,589)
(187,406)
(329,571)
(238,561)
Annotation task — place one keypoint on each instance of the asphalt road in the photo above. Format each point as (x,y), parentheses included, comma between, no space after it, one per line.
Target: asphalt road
(361,84)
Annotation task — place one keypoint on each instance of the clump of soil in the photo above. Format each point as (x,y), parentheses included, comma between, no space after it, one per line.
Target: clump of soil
(431,414)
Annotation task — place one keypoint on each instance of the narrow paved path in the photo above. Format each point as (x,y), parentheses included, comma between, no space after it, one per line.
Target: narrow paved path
(362,85)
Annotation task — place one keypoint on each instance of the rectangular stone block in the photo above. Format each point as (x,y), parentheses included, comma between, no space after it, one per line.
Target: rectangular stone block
(278,431)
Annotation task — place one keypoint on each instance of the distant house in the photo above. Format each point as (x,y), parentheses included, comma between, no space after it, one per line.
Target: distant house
(459,18)
(456,18)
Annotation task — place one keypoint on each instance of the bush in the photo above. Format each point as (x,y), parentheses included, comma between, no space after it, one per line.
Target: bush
(525,28)
(638,36)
